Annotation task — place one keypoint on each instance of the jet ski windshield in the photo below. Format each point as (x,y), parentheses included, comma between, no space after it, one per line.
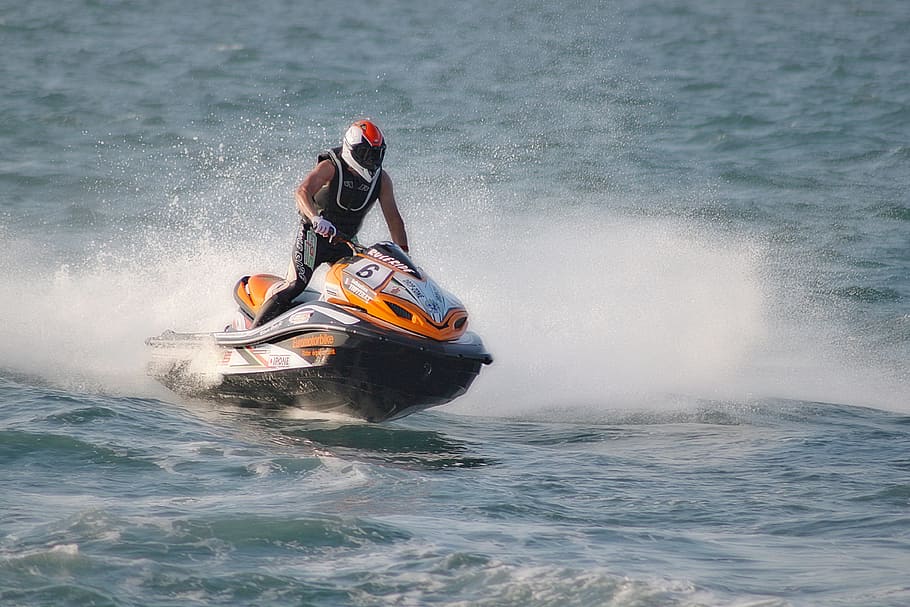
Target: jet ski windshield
(390,253)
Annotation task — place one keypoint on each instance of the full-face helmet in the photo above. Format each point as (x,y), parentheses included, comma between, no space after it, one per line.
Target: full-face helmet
(364,145)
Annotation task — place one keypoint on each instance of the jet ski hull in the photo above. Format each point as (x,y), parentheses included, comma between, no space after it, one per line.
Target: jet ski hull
(320,358)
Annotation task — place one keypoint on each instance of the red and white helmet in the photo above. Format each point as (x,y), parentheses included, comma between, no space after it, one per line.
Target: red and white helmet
(364,145)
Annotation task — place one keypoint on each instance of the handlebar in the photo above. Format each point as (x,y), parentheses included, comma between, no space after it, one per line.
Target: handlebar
(343,239)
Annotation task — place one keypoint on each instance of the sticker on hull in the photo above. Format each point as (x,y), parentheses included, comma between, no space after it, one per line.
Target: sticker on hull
(260,359)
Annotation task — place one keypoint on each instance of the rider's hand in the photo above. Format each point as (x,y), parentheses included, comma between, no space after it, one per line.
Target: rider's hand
(323,226)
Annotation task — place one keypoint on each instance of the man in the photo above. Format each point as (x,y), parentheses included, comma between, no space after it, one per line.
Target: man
(334,198)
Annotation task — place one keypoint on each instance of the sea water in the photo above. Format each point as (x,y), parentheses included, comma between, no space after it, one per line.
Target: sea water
(682,229)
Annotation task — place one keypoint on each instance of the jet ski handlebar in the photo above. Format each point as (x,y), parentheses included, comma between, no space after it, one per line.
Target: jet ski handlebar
(343,239)
(346,240)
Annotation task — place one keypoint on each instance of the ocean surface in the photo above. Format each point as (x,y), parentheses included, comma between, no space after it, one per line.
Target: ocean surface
(681,227)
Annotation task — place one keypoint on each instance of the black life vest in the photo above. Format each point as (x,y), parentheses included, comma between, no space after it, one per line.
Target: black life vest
(347,198)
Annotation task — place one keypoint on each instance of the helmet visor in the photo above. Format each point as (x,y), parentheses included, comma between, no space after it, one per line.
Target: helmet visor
(368,156)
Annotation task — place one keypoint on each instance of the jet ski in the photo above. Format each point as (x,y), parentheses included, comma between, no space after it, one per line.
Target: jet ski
(379,340)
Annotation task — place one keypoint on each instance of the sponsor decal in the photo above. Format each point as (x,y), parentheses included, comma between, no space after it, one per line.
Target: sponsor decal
(359,289)
(318,339)
(427,296)
(301,317)
(309,248)
(387,259)
(317,352)
(280,360)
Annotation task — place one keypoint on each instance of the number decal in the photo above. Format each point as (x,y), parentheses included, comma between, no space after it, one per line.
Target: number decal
(372,274)
(367,271)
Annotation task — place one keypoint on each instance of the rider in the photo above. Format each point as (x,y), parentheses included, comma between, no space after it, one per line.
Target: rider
(334,198)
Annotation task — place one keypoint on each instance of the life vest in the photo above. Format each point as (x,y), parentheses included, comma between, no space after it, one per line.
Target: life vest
(347,198)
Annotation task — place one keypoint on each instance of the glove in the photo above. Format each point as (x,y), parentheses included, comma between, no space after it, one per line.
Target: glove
(323,226)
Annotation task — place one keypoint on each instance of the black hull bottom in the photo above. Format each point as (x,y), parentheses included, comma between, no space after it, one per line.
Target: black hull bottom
(376,380)
(372,386)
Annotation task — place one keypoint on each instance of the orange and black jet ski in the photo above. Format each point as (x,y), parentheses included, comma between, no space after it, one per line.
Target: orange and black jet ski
(379,341)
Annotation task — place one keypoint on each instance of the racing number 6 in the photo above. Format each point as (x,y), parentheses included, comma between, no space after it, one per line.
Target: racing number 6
(367,271)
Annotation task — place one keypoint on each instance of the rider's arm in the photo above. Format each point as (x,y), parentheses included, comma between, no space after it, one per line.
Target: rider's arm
(390,212)
(312,183)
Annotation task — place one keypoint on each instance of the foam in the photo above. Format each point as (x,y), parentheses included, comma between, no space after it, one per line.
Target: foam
(608,310)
